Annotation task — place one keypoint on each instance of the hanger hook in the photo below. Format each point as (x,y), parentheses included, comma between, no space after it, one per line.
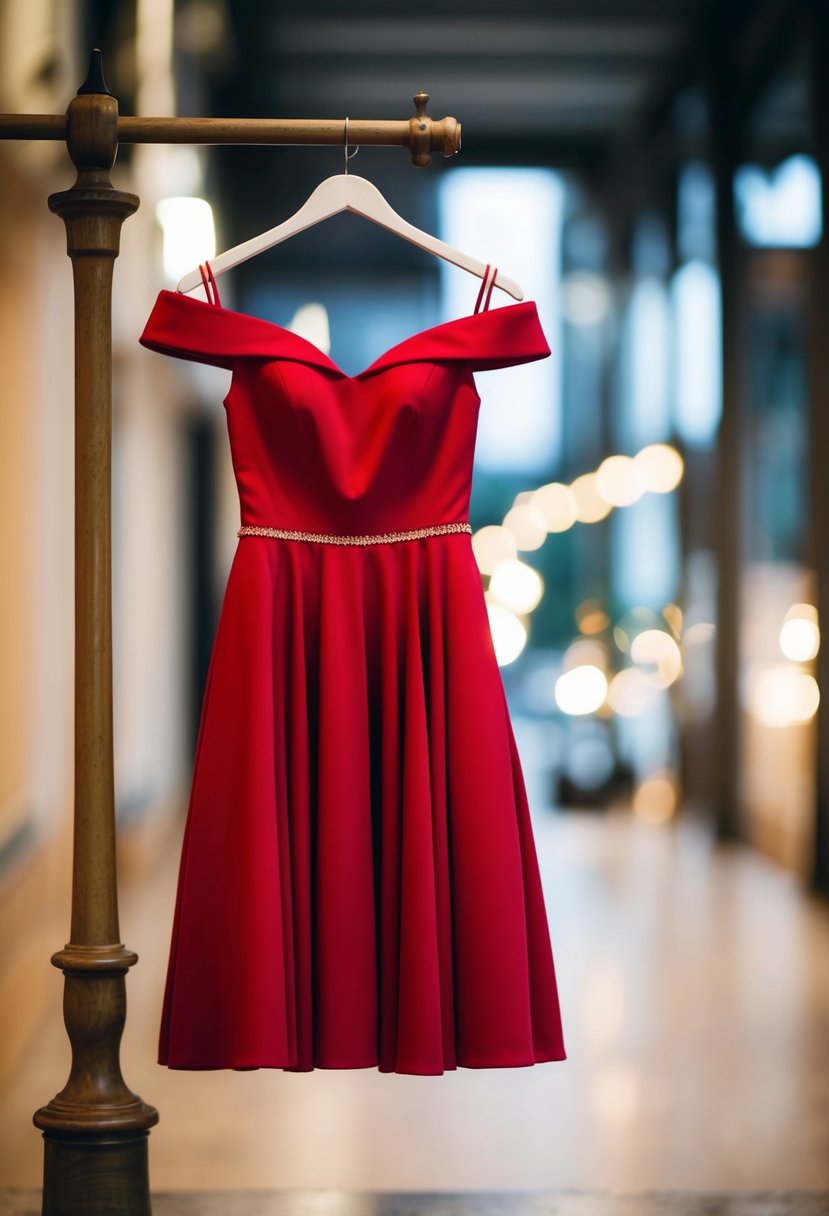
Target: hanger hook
(348,156)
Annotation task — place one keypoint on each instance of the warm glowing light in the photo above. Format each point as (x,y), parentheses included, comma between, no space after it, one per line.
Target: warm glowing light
(631,692)
(617,481)
(655,799)
(673,615)
(557,504)
(782,696)
(590,506)
(659,468)
(527,525)
(509,636)
(491,545)
(800,634)
(517,586)
(189,234)
(585,653)
(594,622)
(656,648)
(581,691)
(591,617)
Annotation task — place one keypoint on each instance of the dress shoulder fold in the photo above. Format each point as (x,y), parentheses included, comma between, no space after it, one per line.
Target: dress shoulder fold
(187,329)
(501,337)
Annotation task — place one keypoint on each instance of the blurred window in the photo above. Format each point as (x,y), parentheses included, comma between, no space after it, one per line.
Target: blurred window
(696,202)
(780,208)
(696,300)
(697,353)
(645,364)
(511,218)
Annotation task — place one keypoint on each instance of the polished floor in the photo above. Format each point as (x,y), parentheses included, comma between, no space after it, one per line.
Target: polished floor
(694,981)
(408,1203)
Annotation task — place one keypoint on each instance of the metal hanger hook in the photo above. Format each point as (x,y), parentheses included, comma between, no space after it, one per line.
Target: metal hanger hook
(348,156)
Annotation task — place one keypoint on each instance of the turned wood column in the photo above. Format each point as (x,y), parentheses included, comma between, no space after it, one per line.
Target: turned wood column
(95,1130)
(723,122)
(818,535)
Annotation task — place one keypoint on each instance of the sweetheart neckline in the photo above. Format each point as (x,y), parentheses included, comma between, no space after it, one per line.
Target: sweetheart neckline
(320,354)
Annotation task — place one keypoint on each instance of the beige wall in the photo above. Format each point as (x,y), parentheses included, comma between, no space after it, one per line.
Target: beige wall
(36,619)
(150,594)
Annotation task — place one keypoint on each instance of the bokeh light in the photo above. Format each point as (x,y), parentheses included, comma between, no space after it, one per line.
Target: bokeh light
(491,545)
(557,504)
(582,690)
(656,648)
(783,696)
(617,481)
(527,525)
(585,652)
(656,798)
(590,506)
(673,615)
(631,692)
(591,617)
(509,635)
(516,586)
(659,468)
(800,633)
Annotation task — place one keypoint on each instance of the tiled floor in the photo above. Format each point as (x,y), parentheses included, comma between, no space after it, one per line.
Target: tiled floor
(695,996)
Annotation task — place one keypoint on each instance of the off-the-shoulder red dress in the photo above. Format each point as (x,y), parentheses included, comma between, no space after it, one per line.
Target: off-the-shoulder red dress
(359,884)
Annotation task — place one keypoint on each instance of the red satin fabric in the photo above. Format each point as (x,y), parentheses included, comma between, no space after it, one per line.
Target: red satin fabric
(359,884)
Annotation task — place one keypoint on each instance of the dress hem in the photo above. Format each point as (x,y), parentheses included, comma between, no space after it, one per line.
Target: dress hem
(413,1071)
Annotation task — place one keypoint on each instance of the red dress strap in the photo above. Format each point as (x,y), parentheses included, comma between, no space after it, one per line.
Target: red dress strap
(487,283)
(209,280)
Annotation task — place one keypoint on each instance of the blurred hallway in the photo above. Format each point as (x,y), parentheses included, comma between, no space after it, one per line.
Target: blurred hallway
(695,998)
(648,517)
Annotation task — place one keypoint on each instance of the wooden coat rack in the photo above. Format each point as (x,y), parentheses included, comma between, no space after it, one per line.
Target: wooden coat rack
(96,1130)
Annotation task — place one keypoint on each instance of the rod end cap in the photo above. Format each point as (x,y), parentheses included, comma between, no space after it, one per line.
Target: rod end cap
(95,82)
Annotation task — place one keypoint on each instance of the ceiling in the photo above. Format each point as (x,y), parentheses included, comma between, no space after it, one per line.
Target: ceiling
(564,77)
(618,91)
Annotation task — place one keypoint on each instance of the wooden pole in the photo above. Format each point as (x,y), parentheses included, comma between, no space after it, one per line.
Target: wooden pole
(729,468)
(95,1130)
(819,435)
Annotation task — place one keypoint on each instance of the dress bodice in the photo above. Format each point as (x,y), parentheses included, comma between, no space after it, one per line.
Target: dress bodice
(315,449)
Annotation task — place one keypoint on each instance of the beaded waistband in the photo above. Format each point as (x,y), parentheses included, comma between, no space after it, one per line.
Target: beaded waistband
(332,538)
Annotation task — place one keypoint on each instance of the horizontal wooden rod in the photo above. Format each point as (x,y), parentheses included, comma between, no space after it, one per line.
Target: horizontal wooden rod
(33,126)
(444,135)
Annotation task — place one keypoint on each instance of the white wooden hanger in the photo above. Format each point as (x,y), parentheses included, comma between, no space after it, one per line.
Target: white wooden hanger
(346,192)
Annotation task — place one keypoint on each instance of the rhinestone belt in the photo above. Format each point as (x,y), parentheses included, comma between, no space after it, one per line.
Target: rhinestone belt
(332,538)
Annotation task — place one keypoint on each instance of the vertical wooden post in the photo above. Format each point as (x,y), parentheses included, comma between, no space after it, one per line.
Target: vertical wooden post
(723,121)
(95,1130)
(819,434)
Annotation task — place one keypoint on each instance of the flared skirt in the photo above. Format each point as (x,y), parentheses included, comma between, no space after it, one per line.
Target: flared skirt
(359,884)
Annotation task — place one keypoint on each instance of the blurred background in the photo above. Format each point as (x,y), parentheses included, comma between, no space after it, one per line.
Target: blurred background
(650,515)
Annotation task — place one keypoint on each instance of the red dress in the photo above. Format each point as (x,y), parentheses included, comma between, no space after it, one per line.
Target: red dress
(358,884)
